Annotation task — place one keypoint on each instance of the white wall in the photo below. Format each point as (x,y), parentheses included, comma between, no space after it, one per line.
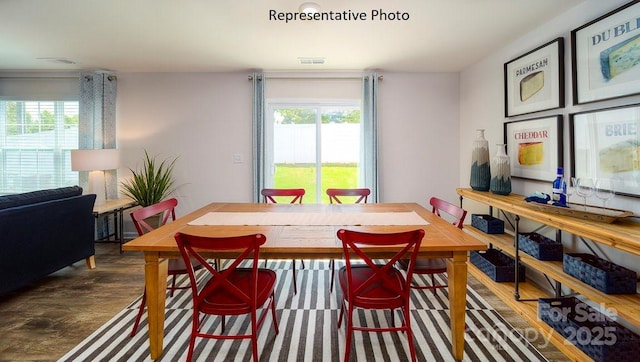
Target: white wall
(482,106)
(418,135)
(201,118)
(205,118)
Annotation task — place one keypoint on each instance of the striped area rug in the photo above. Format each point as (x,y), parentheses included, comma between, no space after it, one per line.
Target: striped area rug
(308,329)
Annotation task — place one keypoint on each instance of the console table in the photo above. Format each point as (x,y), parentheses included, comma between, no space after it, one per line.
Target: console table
(623,235)
(115,208)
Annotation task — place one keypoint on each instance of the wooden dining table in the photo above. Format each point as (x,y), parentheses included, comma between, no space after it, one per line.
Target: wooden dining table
(307,240)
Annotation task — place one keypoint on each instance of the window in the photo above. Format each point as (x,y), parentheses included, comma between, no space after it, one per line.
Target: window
(313,145)
(314,132)
(36,137)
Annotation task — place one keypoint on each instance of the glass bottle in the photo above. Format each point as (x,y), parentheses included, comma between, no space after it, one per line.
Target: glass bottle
(501,172)
(480,168)
(559,194)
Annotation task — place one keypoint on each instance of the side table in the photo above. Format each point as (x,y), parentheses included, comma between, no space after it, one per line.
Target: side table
(115,208)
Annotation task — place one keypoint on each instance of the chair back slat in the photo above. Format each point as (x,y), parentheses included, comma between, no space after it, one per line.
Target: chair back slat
(457,213)
(167,208)
(271,194)
(248,246)
(362,195)
(353,243)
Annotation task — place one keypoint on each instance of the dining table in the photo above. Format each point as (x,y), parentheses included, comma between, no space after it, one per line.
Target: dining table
(306,231)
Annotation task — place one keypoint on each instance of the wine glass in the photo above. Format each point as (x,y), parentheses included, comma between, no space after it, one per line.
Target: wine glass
(571,188)
(585,187)
(604,191)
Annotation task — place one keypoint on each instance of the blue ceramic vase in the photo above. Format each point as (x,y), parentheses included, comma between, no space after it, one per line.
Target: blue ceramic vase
(501,172)
(480,168)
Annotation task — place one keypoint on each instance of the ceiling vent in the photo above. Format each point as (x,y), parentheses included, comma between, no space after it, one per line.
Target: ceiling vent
(311,61)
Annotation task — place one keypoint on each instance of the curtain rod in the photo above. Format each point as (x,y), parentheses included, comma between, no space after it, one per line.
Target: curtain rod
(314,76)
(39,78)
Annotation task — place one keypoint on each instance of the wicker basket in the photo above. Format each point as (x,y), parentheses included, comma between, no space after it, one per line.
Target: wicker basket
(600,274)
(497,265)
(487,223)
(591,331)
(540,247)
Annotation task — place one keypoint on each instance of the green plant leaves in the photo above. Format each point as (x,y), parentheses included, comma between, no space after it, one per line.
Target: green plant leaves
(151,184)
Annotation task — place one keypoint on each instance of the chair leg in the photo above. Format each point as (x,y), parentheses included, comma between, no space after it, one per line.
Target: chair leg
(332,267)
(254,335)
(402,313)
(273,313)
(341,313)
(433,284)
(295,284)
(143,303)
(407,323)
(393,318)
(349,333)
(194,330)
(173,285)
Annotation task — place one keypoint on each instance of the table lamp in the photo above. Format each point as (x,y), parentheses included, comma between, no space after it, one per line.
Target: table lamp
(95,161)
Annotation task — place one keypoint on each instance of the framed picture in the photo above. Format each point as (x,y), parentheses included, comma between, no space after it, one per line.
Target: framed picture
(605,56)
(605,145)
(535,81)
(534,147)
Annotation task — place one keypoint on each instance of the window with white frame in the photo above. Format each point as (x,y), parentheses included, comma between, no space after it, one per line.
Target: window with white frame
(314,145)
(37,133)
(314,135)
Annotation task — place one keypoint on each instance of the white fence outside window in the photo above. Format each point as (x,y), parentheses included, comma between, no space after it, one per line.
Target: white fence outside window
(295,143)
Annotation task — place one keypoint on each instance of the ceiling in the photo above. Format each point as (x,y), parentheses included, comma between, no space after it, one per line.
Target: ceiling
(235,35)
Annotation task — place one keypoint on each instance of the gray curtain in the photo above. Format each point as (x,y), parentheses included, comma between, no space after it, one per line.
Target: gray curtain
(257,80)
(370,133)
(97,118)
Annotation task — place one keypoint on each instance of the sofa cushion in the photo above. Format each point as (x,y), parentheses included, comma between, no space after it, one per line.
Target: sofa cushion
(27,198)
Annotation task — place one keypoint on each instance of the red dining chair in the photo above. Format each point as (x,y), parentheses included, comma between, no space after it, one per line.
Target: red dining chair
(377,286)
(286,195)
(432,267)
(234,291)
(164,210)
(291,195)
(358,196)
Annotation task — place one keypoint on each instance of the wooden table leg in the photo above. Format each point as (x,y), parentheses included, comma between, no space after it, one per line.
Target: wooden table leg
(457,280)
(155,279)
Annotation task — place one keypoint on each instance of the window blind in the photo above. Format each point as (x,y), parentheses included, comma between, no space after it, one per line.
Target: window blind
(38,130)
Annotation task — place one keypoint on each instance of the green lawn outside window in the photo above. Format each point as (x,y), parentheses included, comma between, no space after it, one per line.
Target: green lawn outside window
(304,176)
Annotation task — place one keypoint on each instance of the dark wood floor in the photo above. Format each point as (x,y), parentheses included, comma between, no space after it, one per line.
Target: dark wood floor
(44,321)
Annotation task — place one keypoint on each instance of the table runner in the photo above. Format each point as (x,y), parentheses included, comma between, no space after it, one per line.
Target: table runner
(310,218)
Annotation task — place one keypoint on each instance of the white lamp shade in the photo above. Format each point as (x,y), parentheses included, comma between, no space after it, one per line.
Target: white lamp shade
(94,160)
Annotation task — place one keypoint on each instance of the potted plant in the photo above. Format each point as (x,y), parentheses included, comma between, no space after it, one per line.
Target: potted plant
(152,183)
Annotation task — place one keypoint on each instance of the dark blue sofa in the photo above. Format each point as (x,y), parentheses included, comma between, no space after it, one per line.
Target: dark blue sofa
(42,232)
